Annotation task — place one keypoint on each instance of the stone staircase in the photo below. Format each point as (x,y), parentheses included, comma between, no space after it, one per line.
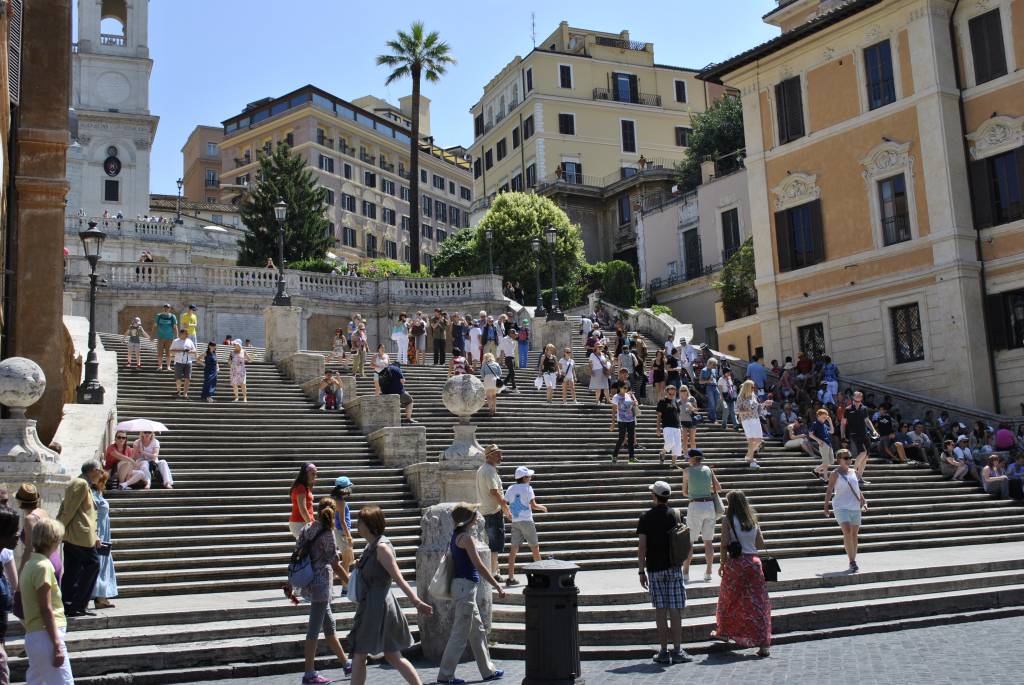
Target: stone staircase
(199,565)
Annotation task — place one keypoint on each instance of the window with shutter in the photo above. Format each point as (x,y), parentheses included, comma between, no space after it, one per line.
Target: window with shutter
(564,76)
(981,188)
(908,338)
(878,70)
(15,10)
(799,236)
(680,91)
(567,124)
(782,248)
(628,136)
(789,110)
(986,31)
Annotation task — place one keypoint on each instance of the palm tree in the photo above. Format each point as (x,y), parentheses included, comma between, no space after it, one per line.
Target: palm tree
(418,55)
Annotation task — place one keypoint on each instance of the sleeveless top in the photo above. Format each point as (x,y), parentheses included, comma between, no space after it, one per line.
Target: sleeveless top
(847,495)
(462,565)
(700,482)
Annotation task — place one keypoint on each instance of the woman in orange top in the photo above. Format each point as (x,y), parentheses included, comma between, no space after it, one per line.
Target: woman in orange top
(302,500)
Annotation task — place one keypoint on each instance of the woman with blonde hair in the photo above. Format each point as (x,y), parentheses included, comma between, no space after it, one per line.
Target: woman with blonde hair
(467,569)
(748,408)
(547,366)
(43,609)
(687,418)
(379,625)
(237,359)
(744,613)
(490,373)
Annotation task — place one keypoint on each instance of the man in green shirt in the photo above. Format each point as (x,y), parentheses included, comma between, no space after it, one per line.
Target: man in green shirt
(81,558)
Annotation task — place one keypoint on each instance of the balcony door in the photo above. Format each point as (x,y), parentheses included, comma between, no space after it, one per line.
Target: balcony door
(624,87)
(693,259)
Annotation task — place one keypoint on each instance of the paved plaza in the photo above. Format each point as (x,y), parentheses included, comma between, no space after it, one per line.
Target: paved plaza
(957,654)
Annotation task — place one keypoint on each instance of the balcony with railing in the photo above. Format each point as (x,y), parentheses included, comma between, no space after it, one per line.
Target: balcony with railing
(387,166)
(369,159)
(325,141)
(615,95)
(213,183)
(113,39)
(729,251)
(621,44)
(243,161)
(896,229)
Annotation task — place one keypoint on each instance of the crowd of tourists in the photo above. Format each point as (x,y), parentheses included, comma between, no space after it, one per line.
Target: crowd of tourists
(65,564)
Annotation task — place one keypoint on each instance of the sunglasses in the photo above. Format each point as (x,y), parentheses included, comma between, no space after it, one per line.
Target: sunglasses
(120,437)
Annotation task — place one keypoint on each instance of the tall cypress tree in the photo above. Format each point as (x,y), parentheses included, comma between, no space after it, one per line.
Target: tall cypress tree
(283,176)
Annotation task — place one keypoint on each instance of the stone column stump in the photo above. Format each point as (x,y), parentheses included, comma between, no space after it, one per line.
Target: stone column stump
(282,328)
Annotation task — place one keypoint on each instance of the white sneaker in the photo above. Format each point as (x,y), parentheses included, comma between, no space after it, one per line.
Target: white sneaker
(753,464)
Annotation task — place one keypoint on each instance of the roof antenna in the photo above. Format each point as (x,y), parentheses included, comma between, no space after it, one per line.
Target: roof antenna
(533,28)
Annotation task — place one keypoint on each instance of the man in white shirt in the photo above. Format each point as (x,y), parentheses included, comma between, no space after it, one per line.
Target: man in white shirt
(586,325)
(184,352)
(507,354)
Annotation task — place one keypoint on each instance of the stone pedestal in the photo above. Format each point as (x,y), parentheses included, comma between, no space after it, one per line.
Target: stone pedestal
(282,329)
(435,537)
(372,413)
(423,479)
(399,446)
(559,334)
(457,465)
(302,366)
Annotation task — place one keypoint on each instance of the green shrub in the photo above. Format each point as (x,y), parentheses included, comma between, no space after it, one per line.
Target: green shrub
(736,283)
(385,268)
(321,266)
(619,284)
(661,309)
(569,296)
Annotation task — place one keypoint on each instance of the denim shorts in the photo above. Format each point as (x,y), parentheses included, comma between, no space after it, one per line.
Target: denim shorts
(851,516)
(495,525)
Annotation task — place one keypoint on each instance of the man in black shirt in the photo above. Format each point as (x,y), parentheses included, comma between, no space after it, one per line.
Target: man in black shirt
(659,576)
(672,366)
(856,428)
(668,426)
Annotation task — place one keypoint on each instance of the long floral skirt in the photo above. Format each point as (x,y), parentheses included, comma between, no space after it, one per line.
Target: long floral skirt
(744,610)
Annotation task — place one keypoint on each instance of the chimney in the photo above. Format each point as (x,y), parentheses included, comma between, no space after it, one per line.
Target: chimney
(707,171)
(405,104)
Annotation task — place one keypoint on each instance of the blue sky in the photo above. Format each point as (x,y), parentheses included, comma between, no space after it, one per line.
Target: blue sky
(211,57)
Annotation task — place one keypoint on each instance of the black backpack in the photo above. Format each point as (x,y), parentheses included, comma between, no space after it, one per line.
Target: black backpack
(385,376)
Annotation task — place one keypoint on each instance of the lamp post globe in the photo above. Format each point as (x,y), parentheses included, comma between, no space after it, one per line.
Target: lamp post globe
(177,212)
(90,391)
(555,313)
(535,246)
(282,298)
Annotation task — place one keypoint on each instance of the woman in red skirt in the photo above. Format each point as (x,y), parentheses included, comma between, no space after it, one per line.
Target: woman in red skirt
(744,613)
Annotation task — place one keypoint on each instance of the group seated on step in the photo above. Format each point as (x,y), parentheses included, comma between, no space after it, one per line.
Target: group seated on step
(999,473)
(136,466)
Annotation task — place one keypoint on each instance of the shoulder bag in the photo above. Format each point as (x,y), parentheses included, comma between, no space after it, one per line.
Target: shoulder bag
(300,568)
(735,547)
(440,586)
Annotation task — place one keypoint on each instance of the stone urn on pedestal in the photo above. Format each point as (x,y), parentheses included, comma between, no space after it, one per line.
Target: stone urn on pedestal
(463,396)
(23,456)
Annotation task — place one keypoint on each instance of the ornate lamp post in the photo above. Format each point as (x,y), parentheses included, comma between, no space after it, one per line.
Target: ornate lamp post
(282,298)
(177,217)
(90,391)
(490,250)
(535,244)
(556,313)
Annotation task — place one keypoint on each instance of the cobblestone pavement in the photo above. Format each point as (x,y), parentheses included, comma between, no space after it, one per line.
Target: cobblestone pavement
(974,652)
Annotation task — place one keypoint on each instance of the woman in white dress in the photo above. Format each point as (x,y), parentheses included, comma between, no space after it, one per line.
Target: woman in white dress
(380,361)
(600,367)
(748,408)
(475,345)
(400,334)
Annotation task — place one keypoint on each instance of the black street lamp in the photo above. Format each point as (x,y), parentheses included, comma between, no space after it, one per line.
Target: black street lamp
(556,313)
(90,391)
(490,250)
(177,218)
(282,298)
(539,311)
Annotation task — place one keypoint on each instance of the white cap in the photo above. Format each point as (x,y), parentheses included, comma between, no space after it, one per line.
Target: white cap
(523,472)
(661,488)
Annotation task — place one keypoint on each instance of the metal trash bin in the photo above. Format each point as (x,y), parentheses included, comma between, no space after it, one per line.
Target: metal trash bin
(552,624)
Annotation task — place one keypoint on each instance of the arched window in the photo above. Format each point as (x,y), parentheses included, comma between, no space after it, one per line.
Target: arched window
(114,23)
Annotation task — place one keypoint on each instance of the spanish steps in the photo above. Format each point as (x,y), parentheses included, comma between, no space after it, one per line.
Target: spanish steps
(200,566)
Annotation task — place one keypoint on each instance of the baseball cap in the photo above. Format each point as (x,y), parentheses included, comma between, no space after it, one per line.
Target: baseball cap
(962,437)
(661,488)
(343,482)
(695,453)
(192,306)
(523,472)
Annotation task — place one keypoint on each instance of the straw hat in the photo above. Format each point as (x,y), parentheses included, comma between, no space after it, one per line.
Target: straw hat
(27,495)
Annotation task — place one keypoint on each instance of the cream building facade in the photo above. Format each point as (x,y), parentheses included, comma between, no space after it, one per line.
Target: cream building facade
(886,174)
(201,157)
(589,119)
(359,152)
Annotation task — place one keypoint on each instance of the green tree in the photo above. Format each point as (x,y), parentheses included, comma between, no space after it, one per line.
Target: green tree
(516,219)
(418,55)
(716,132)
(457,255)
(284,176)
(619,285)
(736,283)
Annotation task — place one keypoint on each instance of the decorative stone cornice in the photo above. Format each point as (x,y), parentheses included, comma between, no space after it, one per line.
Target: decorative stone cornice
(796,189)
(887,157)
(997,134)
